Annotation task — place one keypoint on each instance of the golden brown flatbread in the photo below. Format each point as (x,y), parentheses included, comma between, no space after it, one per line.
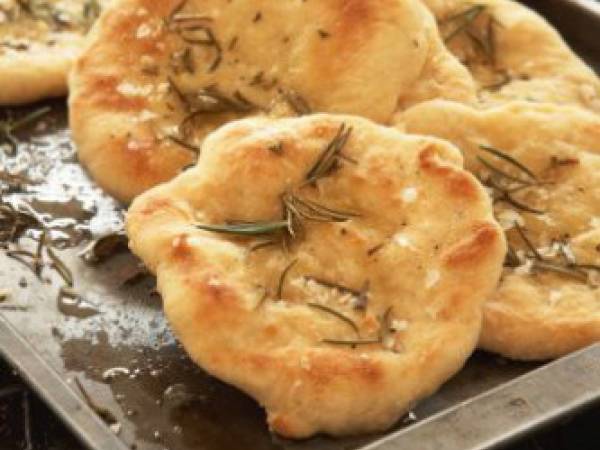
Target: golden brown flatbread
(331,268)
(156,77)
(548,302)
(39,40)
(514,54)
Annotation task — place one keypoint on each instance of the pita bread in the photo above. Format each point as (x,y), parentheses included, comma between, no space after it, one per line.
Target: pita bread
(514,54)
(156,77)
(342,327)
(549,307)
(38,42)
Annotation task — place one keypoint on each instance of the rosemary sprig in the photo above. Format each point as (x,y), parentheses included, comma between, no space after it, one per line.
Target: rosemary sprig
(297,103)
(568,265)
(21,256)
(506,157)
(210,100)
(503,182)
(60,267)
(104,247)
(209,40)
(185,144)
(328,160)
(295,209)
(9,126)
(351,342)
(52,14)
(258,228)
(571,271)
(361,295)
(504,195)
(313,211)
(91,11)
(337,314)
(502,173)
(384,331)
(511,260)
(14,222)
(527,242)
(282,277)
(194,29)
(483,39)
(464,20)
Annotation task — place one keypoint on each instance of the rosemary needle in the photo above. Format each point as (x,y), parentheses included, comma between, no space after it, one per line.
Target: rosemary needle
(467,17)
(335,313)
(351,342)
(282,277)
(506,157)
(329,158)
(247,228)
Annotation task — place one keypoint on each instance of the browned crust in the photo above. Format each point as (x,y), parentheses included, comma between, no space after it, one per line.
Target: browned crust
(472,248)
(458,183)
(528,339)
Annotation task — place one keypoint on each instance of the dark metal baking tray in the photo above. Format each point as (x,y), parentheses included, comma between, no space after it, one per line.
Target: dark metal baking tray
(158,397)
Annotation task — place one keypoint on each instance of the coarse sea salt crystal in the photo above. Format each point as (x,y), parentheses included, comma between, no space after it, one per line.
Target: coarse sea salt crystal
(432,278)
(399,325)
(214,282)
(554,297)
(410,194)
(508,218)
(143,31)
(402,240)
(131,90)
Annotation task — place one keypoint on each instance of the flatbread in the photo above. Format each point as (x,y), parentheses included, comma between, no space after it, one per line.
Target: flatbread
(514,54)
(39,40)
(542,309)
(156,77)
(289,319)
(442,76)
